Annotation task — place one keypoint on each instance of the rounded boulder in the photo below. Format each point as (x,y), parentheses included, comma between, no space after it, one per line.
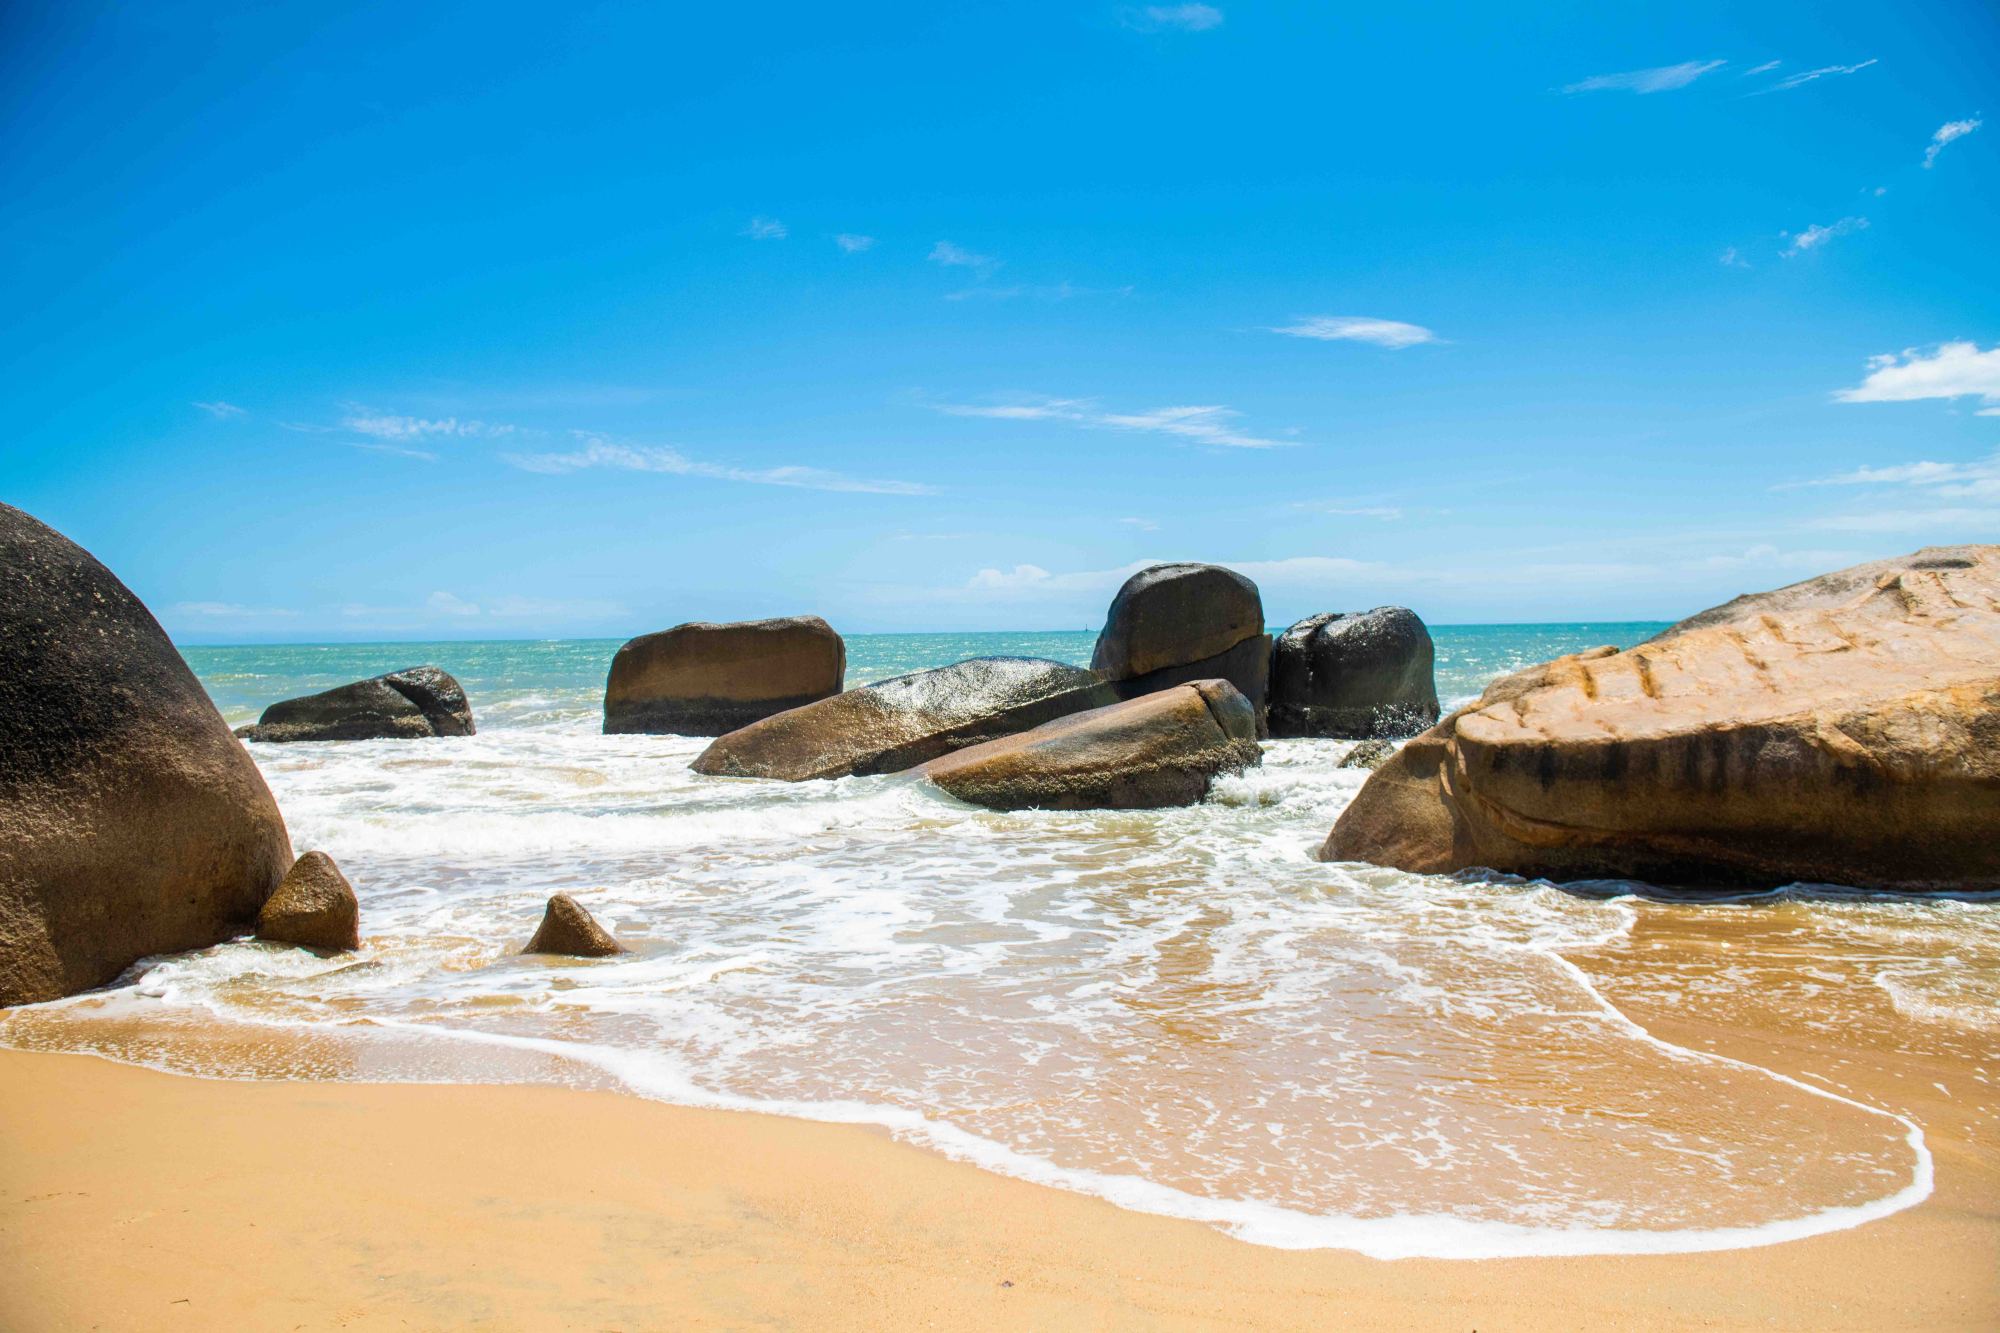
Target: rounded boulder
(703,679)
(1354,675)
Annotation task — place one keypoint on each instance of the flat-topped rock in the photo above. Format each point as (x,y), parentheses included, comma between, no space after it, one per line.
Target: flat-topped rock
(1354,675)
(314,905)
(413,704)
(1163,749)
(897,724)
(1845,729)
(1171,624)
(131,823)
(703,679)
(568,929)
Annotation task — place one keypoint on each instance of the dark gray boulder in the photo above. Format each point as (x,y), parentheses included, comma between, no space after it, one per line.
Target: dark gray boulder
(314,906)
(1172,624)
(131,823)
(568,929)
(412,704)
(701,679)
(1354,674)
(1162,749)
(900,723)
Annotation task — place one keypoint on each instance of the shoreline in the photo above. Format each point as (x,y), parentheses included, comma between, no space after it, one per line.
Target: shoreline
(319,1204)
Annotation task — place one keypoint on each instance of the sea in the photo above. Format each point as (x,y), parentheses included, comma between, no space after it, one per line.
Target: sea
(1180,1011)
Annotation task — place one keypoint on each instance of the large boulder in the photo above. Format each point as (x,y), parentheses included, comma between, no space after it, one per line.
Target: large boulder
(314,905)
(898,724)
(131,822)
(412,704)
(567,928)
(1162,749)
(704,680)
(1354,675)
(1171,624)
(1845,730)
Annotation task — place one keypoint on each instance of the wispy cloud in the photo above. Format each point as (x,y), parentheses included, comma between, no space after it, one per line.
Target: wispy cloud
(1059,291)
(1927,521)
(1976,480)
(1210,425)
(595,451)
(1358,328)
(1731,259)
(1813,237)
(957,256)
(390,426)
(229,611)
(1801,79)
(1764,68)
(1172,18)
(220,410)
(397,450)
(853,242)
(765,229)
(1386,513)
(1143,524)
(1950,130)
(1950,370)
(1660,79)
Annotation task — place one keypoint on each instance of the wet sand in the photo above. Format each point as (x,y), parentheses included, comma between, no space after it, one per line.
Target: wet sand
(131,1198)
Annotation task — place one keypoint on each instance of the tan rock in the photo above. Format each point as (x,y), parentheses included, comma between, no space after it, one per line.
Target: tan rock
(1163,749)
(131,822)
(568,929)
(703,679)
(314,906)
(1845,729)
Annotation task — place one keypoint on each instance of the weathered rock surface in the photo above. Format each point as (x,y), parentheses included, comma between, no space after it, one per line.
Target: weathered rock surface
(1369,754)
(314,905)
(1159,750)
(567,929)
(1171,624)
(702,679)
(131,823)
(1366,673)
(1845,730)
(412,704)
(898,724)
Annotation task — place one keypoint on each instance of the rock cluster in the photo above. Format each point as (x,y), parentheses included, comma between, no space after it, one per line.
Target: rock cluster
(131,823)
(411,704)
(1171,624)
(701,679)
(1162,749)
(900,723)
(314,905)
(1845,729)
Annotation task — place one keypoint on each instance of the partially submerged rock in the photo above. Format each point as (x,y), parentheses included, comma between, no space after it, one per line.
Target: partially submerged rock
(898,724)
(1354,674)
(703,679)
(568,929)
(1171,624)
(412,704)
(1845,729)
(1163,749)
(1369,754)
(314,905)
(130,822)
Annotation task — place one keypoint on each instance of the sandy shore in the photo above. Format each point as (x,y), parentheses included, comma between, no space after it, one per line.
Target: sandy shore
(132,1199)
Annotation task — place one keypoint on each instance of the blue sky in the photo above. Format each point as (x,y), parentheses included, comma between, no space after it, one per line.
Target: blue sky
(497,321)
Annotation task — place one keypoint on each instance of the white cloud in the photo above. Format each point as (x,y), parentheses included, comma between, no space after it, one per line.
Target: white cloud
(1976,480)
(598,452)
(1816,235)
(1663,78)
(1358,328)
(1928,521)
(1143,524)
(1764,68)
(1202,424)
(389,426)
(1387,513)
(957,256)
(1294,572)
(230,611)
(377,447)
(1021,576)
(221,411)
(1060,291)
(853,243)
(1731,259)
(1178,18)
(1808,76)
(1951,370)
(1950,130)
(765,229)
(446,604)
